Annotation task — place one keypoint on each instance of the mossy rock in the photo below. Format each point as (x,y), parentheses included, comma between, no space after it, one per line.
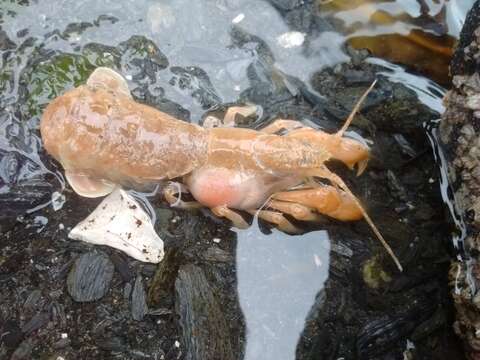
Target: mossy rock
(48,79)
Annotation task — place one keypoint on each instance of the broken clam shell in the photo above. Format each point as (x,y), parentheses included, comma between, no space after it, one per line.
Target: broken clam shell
(120,222)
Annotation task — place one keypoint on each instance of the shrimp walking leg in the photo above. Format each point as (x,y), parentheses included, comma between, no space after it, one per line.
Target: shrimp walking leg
(173,195)
(296,210)
(276,218)
(323,199)
(237,220)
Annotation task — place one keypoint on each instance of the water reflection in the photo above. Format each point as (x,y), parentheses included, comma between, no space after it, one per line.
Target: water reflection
(278,278)
(428,92)
(420,34)
(223,38)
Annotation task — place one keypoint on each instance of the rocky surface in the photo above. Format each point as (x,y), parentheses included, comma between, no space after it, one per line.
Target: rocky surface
(89,278)
(49,307)
(459,133)
(205,330)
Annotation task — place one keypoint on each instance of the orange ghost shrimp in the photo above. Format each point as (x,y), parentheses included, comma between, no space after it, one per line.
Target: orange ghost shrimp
(102,138)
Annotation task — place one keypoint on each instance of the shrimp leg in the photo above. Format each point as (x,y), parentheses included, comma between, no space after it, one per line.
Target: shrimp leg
(321,199)
(276,218)
(325,173)
(237,220)
(173,194)
(295,209)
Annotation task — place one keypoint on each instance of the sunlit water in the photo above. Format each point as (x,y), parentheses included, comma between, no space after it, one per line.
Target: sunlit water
(278,279)
(278,275)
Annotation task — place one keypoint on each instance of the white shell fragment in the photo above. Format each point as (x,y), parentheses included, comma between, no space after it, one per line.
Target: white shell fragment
(58,200)
(120,222)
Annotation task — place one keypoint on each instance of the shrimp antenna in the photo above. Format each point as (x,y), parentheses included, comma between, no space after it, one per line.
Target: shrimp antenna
(325,173)
(355,110)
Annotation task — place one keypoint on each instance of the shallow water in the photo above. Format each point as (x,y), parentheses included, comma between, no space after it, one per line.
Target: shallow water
(209,53)
(278,280)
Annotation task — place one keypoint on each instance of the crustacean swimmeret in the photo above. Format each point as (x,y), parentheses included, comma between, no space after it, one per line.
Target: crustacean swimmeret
(102,137)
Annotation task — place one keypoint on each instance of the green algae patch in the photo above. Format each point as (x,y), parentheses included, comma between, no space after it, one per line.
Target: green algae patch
(373,274)
(51,78)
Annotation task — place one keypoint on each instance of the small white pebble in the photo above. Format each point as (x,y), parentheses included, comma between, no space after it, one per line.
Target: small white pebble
(216,240)
(238,18)
(60,358)
(61,226)
(237,88)
(177,343)
(128,77)
(431,180)
(64,335)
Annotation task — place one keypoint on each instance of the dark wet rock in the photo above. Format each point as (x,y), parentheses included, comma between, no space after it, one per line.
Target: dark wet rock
(61,344)
(148,270)
(141,59)
(159,312)
(390,106)
(22,33)
(380,335)
(396,188)
(12,335)
(105,18)
(89,279)
(196,83)
(113,343)
(307,19)
(23,351)
(138,300)
(34,301)
(424,212)
(58,314)
(75,29)
(429,326)
(287,4)
(122,266)
(205,330)
(5,42)
(464,61)
(36,322)
(162,284)
(215,254)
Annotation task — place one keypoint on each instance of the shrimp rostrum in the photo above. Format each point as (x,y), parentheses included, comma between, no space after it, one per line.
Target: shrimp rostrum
(103,138)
